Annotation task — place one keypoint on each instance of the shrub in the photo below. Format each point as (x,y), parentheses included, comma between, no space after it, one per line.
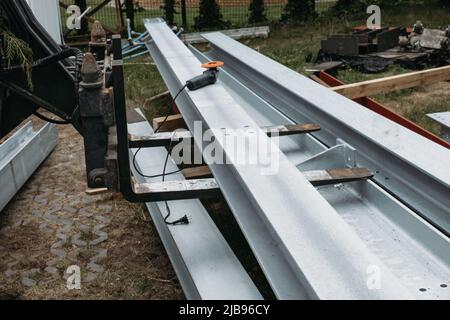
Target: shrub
(257,14)
(299,11)
(209,16)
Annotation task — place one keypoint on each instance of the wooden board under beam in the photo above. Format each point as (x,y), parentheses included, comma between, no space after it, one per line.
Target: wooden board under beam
(172,123)
(394,83)
(316,177)
(162,138)
(197,173)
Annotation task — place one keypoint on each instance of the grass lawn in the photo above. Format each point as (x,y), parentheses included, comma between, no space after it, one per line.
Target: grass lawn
(290,45)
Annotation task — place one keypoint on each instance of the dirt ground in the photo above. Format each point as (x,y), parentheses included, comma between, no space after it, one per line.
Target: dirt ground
(53,224)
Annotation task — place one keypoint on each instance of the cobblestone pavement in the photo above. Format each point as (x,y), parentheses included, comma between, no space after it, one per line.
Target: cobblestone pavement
(53,224)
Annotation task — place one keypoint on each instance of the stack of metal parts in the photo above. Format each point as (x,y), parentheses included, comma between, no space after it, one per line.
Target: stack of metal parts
(21,155)
(383,238)
(362,41)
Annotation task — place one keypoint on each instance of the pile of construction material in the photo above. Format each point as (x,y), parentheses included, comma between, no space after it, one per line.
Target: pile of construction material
(372,50)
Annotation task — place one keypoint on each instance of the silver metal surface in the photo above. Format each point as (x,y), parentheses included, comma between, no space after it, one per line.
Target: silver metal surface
(203,261)
(251,32)
(312,242)
(443,119)
(21,155)
(416,252)
(410,166)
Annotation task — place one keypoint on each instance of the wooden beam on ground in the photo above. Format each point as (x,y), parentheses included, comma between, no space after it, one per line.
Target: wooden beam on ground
(172,123)
(318,80)
(96,192)
(157,97)
(394,83)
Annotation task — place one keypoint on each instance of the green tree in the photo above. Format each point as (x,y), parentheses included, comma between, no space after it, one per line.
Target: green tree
(350,8)
(257,14)
(169,11)
(209,16)
(299,11)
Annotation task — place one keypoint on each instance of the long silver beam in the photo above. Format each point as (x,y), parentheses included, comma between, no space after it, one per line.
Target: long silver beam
(21,155)
(416,252)
(327,257)
(411,167)
(202,259)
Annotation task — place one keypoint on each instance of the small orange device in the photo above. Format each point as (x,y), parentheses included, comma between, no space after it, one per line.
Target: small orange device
(208,77)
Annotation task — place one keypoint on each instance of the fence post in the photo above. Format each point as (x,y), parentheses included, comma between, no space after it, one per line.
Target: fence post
(183,14)
(129,5)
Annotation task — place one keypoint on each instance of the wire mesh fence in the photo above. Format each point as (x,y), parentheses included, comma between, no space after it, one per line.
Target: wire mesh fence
(112,14)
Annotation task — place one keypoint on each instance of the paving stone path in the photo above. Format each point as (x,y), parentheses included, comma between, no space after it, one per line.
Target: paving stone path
(53,224)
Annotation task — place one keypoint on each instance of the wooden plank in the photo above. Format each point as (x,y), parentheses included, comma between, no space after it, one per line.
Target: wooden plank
(316,178)
(318,80)
(394,83)
(197,173)
(162,139)
(386,112)
(336,176)
(173,123)
(96,192)
(291,129)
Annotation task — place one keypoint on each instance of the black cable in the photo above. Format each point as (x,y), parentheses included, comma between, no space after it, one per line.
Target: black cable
(156,131)
(146,176)
(168,115)
(44,118)
(184,220)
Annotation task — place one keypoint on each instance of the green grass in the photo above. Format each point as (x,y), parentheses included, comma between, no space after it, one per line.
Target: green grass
(142,82)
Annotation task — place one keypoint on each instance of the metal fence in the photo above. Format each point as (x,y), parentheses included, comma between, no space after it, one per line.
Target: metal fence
(235,12)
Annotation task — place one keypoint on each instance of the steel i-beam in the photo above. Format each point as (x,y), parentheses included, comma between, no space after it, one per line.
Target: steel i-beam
(411,167)
(326,257)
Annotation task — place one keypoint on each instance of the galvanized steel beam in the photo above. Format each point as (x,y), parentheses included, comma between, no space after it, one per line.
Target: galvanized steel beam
(412,168)
(314,244)
(415,251)
(203,261)
(21,155)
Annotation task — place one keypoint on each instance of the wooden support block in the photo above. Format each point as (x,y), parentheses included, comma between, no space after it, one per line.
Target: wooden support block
(162,139)
(186,189)
(197,173)
(394,83)
(291,129)
(335,176)
(316,177)
(172,123)
(207,188)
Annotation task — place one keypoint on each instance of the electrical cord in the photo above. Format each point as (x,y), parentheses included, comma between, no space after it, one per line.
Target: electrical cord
(54,121)
(185,219)
(156,131)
